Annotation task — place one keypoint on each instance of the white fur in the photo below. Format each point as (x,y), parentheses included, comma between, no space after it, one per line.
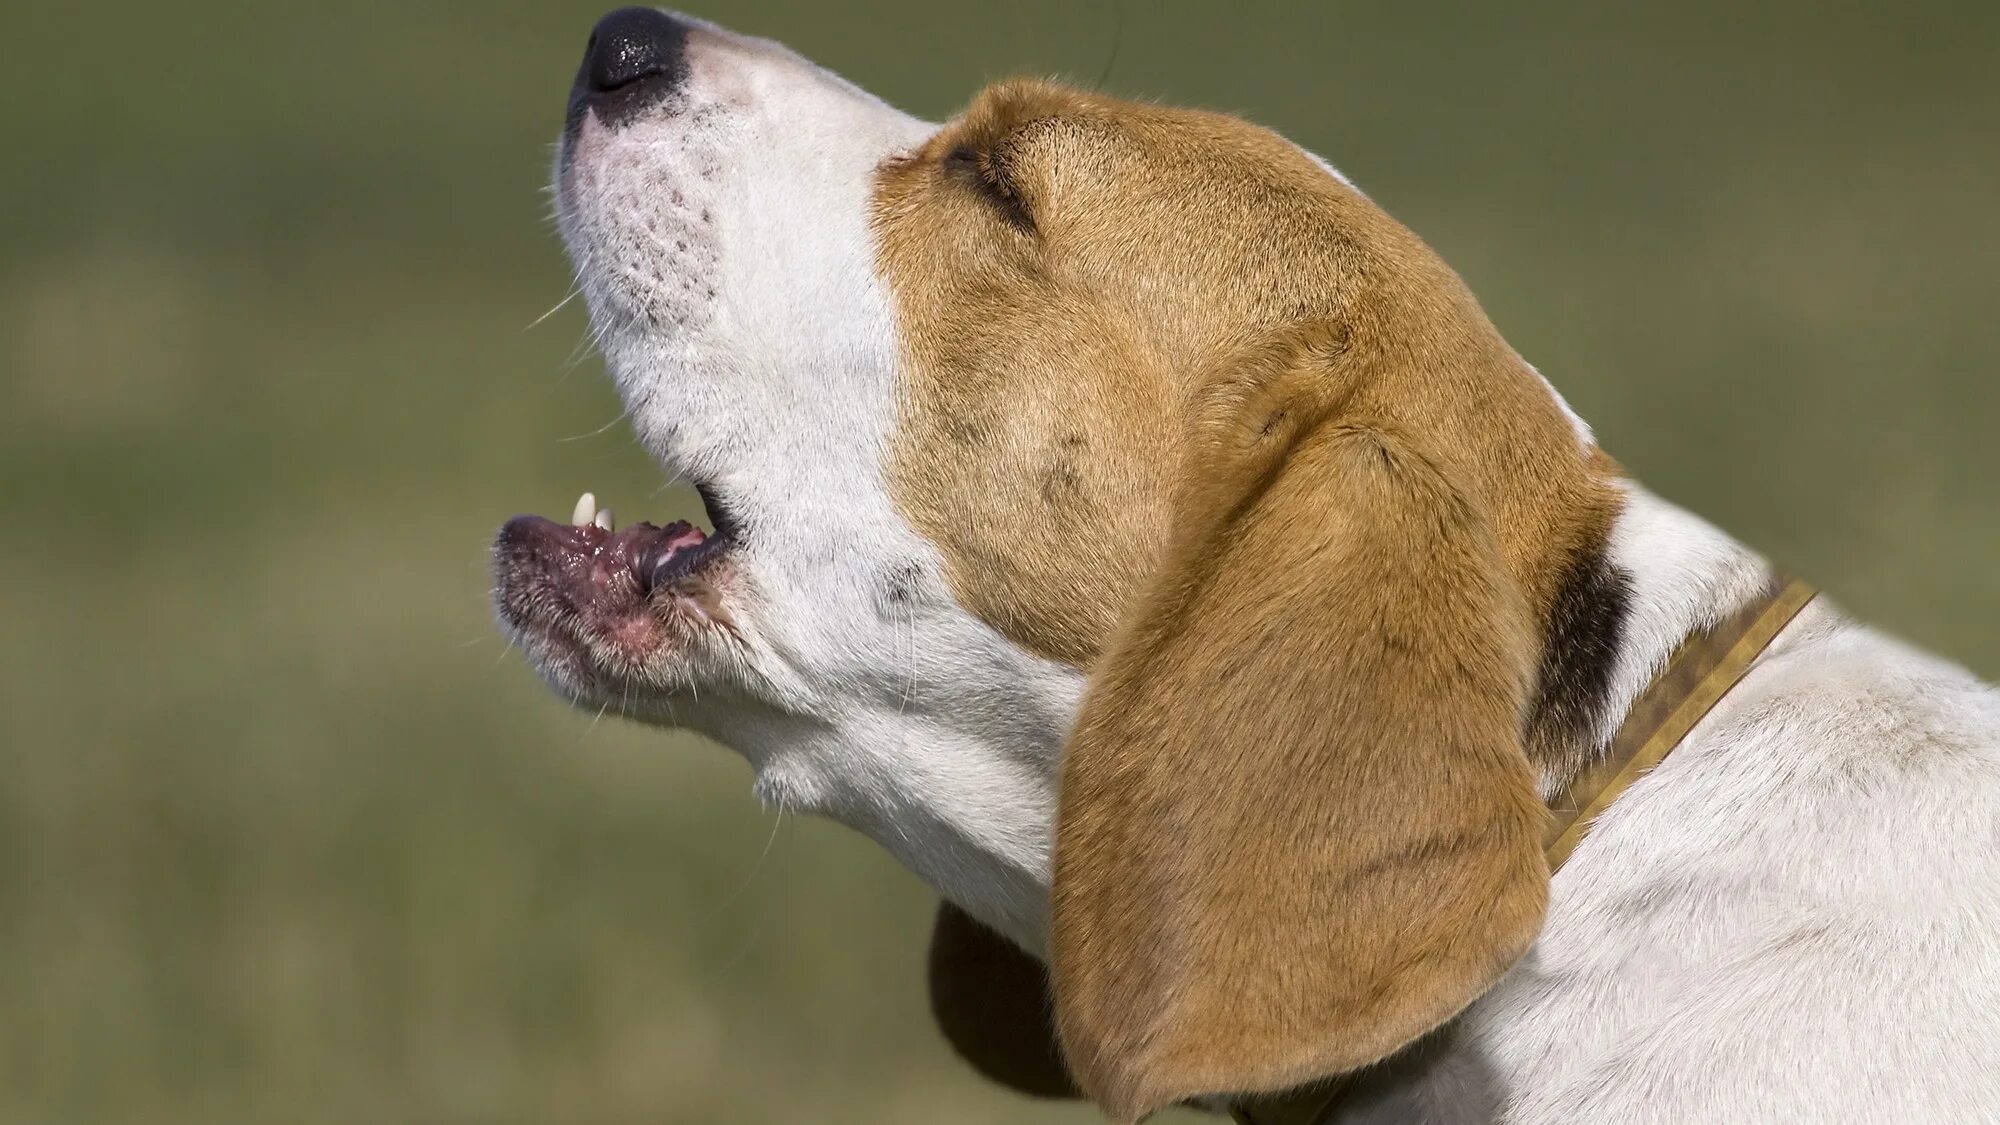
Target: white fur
(1793,919)
(1327,167)
(1685,575)
(1576,422)
(722,243)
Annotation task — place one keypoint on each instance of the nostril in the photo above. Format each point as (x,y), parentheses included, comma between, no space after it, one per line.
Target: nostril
(631,45)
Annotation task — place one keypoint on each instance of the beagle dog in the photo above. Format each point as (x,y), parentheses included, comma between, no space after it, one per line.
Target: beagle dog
(1123,520)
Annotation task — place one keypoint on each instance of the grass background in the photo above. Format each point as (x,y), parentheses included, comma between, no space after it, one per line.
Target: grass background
(285,836)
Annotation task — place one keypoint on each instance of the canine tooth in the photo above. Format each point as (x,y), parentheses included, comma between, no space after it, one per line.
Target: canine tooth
(586,509)
(603,519)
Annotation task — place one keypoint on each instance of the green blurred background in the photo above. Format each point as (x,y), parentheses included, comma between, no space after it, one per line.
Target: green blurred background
(286,836)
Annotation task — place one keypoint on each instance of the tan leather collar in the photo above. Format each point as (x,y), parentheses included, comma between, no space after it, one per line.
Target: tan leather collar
(1701,671)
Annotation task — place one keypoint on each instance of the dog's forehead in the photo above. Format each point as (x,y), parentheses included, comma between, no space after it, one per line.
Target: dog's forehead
(1051,339)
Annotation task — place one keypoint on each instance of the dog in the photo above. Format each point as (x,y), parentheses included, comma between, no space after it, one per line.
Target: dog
(1124,521)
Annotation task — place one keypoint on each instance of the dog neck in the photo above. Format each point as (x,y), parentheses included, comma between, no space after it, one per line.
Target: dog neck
(1679,575)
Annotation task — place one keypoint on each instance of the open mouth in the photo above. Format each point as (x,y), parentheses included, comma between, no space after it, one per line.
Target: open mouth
(644,556)
(613,591)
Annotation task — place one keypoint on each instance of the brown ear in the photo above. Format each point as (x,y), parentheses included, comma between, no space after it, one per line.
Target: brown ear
(1297,827)
(992,1002)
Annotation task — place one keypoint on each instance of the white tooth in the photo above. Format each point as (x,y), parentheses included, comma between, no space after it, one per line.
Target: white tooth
(603,520)
(586,509)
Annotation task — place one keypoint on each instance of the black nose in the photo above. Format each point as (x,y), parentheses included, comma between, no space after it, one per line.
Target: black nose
(634,57)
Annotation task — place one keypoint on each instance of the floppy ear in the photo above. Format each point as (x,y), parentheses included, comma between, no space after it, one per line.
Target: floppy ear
(992,1002)
(1297,827)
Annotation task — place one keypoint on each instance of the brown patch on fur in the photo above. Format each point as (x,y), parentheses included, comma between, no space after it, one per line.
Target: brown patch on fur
(1297,828)
(1184,410)
(1051,365)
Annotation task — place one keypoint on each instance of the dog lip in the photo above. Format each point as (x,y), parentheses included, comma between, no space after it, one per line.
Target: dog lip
(601,572)
(720,517)
(588,560)
(675,557)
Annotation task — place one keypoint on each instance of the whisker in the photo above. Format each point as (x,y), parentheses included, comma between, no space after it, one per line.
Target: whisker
(577,355)
(748,880)
(574,289)
(622,415)
(757,927)
(595,719)
(910,667)
(675,479)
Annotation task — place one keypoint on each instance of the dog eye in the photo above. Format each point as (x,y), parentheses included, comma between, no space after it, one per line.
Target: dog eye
(986,174)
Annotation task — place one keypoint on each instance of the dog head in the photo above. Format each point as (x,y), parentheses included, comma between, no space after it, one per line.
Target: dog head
(1115,513)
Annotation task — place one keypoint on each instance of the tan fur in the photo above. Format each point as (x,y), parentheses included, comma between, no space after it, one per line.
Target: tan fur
(1297,828)
(1183,410)
(1050,372)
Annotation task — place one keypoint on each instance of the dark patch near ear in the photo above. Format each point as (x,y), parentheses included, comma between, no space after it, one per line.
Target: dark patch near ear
(992,1002)
(990,174)
(1586,627)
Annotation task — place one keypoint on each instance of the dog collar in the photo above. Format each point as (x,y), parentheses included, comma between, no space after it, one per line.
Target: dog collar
(1706,665)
